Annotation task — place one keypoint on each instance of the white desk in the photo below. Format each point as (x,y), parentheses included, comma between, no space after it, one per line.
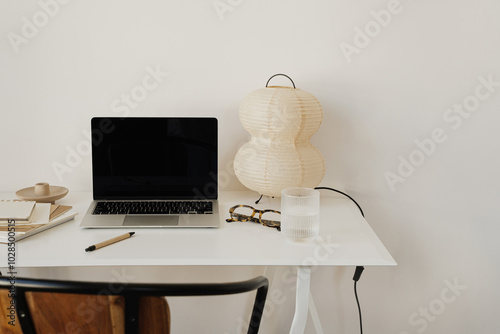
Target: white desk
(345,239)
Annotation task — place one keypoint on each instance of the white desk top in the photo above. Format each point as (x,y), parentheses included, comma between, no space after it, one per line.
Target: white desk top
(346,239)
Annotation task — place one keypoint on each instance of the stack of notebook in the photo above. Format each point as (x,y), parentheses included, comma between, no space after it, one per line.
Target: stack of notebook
(25,218)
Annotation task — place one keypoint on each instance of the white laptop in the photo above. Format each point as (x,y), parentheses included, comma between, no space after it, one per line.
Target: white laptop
(153,172)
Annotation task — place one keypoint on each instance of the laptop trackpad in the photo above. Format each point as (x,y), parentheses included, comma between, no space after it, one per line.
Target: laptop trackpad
(154,221)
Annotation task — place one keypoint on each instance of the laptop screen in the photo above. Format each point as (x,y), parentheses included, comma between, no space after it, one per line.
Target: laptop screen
(154,158)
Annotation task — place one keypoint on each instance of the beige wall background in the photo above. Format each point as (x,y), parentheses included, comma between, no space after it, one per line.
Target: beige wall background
(410,91)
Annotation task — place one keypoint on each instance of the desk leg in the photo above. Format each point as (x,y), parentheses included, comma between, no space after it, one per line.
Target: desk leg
(314,315)
(301,300)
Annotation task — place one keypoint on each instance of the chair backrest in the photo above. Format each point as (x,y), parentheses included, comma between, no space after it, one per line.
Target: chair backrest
(55,312)
(49,306)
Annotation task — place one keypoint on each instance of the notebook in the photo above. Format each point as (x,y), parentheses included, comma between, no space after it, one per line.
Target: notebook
(16,210)
(166,164)
(26,230)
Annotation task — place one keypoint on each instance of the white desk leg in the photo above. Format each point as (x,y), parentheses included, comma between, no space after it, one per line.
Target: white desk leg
(301,300)
(314,315)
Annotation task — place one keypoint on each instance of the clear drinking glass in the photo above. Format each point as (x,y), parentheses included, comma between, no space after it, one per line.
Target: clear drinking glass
(300,213)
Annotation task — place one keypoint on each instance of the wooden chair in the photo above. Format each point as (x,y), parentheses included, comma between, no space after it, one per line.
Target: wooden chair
(51,306)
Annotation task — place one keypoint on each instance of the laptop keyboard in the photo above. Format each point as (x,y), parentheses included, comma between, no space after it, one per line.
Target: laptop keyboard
(152,207)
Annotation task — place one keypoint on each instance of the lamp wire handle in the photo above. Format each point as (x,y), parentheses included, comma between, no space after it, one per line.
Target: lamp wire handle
(293,83)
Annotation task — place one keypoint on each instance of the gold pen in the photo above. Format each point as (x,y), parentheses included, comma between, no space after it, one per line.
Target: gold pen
(109,242)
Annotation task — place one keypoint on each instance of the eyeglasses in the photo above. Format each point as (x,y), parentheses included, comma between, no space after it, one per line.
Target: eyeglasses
(245,213)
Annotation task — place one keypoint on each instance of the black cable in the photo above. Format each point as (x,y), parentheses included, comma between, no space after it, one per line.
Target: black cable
(257,201)
(340,192)
(359,308)
(359,269)
(261,195)
(355,278)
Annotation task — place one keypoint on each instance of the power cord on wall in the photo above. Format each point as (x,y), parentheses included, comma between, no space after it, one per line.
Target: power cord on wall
(359,269)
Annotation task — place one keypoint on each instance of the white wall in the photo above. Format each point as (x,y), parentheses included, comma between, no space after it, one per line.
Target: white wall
(380,95)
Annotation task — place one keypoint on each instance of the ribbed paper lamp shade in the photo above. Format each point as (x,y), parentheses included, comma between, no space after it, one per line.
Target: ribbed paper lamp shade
(279,155)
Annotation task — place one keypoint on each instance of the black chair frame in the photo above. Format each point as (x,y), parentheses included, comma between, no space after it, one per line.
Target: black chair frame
(132,292)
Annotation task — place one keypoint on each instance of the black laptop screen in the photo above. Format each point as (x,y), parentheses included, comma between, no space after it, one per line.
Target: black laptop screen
(154,158)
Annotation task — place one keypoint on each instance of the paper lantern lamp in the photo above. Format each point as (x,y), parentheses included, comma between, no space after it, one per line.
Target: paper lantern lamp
(279,155)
